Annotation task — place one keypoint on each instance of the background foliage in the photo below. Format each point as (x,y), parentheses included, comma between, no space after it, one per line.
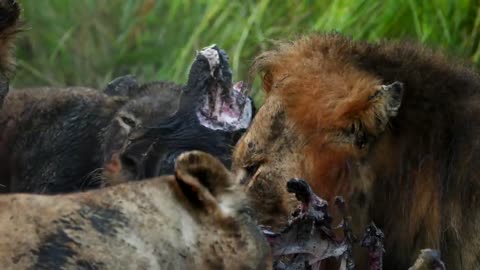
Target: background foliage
(90,41)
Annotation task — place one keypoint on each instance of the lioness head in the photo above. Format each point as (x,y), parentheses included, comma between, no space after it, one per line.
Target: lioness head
(320,120)
(194,219)
(216,200)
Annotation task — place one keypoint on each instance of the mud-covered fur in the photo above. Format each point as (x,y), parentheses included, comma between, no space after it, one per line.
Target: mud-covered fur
(393,127)
(195,219)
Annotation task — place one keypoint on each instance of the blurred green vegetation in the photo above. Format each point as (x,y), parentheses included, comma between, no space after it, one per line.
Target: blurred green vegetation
(89,42)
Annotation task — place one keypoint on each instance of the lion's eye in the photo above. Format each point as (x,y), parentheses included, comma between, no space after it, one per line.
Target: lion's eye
(352,129)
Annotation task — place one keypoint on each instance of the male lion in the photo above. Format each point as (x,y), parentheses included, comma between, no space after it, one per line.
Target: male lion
(393,127)
(194,220)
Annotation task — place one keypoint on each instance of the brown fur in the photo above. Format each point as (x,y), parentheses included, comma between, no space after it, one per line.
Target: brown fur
(412,169)
(161,223)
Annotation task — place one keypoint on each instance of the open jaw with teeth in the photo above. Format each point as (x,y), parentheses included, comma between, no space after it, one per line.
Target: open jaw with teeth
(225,106)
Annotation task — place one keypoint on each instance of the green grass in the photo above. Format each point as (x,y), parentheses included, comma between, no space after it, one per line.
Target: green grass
(89,42)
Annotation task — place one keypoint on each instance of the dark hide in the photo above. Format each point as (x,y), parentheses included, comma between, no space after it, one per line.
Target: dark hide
(53,145)
(57,140)
(179,134)
(211,116)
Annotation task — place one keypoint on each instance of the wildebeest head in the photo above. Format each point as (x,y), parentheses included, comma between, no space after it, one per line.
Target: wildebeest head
(162,120)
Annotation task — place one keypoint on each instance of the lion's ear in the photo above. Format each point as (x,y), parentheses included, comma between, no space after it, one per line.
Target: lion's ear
(202,178)
(267,81)
(393,95)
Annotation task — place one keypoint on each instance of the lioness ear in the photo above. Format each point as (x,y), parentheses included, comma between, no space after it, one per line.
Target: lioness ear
(202,178)
(393,94)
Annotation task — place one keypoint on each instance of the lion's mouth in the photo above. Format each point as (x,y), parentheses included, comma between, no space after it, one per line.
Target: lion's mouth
(308,238)
(252,172)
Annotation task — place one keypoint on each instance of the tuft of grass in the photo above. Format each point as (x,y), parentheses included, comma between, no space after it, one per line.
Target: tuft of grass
(91,41)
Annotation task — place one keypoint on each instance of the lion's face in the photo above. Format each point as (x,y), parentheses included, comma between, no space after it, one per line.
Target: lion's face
(270,152)
(320,121)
